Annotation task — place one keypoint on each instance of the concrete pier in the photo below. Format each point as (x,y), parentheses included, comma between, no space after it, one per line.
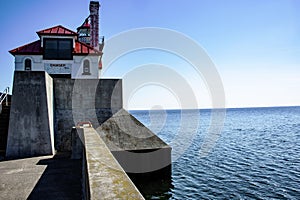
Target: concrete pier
(44,177)
(105,177)
(44,110)
(92,173)
(57,86)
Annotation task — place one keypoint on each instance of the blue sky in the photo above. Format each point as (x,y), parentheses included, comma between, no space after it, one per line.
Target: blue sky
(254,44)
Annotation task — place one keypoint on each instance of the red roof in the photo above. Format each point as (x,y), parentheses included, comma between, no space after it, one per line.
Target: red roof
(57,30)
(82,48)
(34,48)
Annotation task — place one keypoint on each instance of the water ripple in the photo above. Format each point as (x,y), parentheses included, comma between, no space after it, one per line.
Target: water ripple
(256,157)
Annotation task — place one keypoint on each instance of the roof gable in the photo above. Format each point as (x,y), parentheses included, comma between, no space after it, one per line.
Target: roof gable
(57,30)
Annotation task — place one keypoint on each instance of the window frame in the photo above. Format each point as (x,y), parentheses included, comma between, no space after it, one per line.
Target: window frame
(86,65)
(27,61)
(58,50)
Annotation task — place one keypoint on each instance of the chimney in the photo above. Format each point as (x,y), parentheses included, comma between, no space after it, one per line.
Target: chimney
(94,16)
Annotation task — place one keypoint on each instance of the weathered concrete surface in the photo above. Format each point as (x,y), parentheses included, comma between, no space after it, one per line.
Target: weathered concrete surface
(83,100)
(124,132)
(77,143)
(106,178)
(136,148)
(19,177)
(31,116)
(45,177)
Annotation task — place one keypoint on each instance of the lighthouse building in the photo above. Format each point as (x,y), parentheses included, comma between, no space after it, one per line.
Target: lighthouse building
(57,86)
(62,52)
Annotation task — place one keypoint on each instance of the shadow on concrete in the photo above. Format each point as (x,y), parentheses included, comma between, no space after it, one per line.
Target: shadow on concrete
(154,185)
(60,180)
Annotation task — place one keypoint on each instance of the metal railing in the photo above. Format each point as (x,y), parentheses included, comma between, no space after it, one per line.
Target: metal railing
(4,96)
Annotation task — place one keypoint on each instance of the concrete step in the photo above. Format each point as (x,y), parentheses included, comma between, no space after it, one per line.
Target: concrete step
(3,132)
(4,125)
(4,118)
(4,105)
(3,145)
(4,122)
(5,108)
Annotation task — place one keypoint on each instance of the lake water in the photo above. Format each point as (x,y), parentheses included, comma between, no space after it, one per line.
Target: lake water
(256,156)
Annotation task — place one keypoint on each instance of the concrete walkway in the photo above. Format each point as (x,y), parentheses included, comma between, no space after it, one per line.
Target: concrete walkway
(47,177)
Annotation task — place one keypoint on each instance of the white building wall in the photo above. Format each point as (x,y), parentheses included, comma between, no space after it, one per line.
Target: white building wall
(36,62)
(77,69)
(76,65)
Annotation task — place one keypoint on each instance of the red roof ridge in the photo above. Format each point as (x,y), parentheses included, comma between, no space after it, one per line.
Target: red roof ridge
(56,30)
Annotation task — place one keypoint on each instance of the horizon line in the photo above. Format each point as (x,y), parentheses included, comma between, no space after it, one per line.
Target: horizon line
(246,107)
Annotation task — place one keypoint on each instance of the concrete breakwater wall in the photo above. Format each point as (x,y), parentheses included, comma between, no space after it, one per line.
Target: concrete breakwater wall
(103,177)
(83,100)
(44,110)
(136,148)
(31,122)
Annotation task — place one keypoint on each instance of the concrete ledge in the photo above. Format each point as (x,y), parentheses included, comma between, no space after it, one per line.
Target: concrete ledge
(105,178)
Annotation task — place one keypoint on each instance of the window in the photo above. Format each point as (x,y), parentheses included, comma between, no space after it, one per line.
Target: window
(86,67)
(58,49)
(27,65)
